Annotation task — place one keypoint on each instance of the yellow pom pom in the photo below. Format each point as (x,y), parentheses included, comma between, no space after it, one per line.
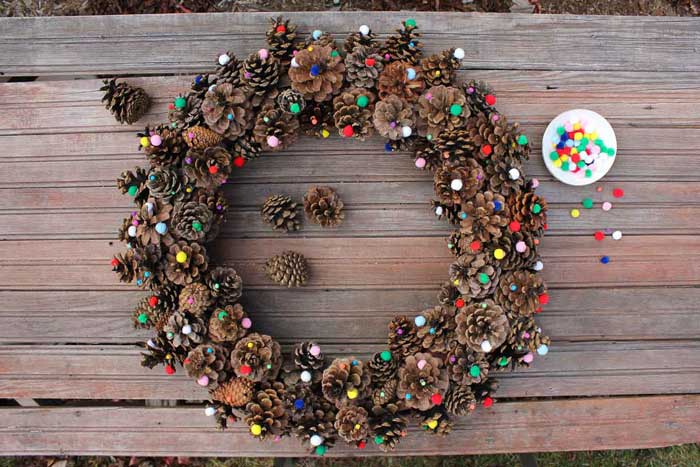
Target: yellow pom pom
(181,257)
(437,73)
(455,282)
(432,424)
(325,133)
(250,345)
(577,126)
(575,213)
(144,141)
(357,426)
(310,49)
(498,253)
(557,163)
(352,393)
(256,430)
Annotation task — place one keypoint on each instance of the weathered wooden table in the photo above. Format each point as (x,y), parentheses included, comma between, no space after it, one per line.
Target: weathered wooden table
(623,370)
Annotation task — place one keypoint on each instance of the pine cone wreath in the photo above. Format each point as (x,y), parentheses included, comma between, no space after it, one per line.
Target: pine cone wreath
(529,210)
(480,97)
(151,223)
(405,44)
(352,113)
(281,37)
(244,148)
(127,103)
(382,367)
(352,423)
(199,137)
(208,364)
(281,213)
(475,275)
(165,183)
(289,269)
(437,421)
(441,108)
(165,147)
(423,381)
(236,392)
(225,285)
(458,184)
(317,119)
(385,393)
(257,357)
(186,262)
(344,381)
(227,110)
(274,129)
(364,37)
(520,292)
(323,206)
(482,327)
(448,294)
(184,330)
(393,118)
(402,80)
(207,168)
(486,216)
(440,69)
(291,101)
(267,415)
(427,156)
(192,221)
(228,70)
(228,324)
(437,329)
(403,337)
(388,426)
(362,67)
(195,299)
(317,72)
(455,146)
(466,366)
(460,400)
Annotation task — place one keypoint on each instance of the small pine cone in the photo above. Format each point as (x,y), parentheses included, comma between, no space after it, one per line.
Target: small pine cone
(386,393)
(352,113)
(312,414)
(403,337)
(169,152)
(452,213)
(440,69)
(394,80)
(289,269)
(391,116)
(466,366)
(274,129)
(151,214)
(160,351)
(260,74)
(323,206)
(318,73)
(448,294)
(164,183)
(383,367)
(155,310)
(324,40)
(427,155)
(345,381)
(281,37)
(257,357)
(519,249)
(225,285)
(217,204)
(186,111)
(149,270)
(455,244)
(441,108)
(228,324)
(460,400)
(352,423)
(438,330)
(404,45)
(144,316)
(493,136)
(186,262)
(358,39)
(486,216)
(504,175)
(245,147)
(195,298)
(267,411)
(317,119)
(199,137)
(291,101)
(437,421)
(482,327)
(458,184)
(362,67)
(127,103)
(529,210)
(235,392)
(480,97)
(525,337)
(228,70)
(134,183)
(388,426)
(184,330)
(192,221)
(125,266)
(227,110)
(308,356)
(519,292)
(455,146)
(208,168)
(208,364)
(475,274)
(423,381)
(281,213)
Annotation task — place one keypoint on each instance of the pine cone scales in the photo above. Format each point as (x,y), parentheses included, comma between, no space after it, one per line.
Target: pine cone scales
(184,330)
(151,214)
(479,96)
(266,410)
(227,111)
(475,275)
(170,151)
(362,67)
(382,367)
(437,332)
(289,269)
(228,324)
(398,80)
(440,69)
(186,262)
(455,146)
(236,392)
(403,337)
(225,284)
(486,216)
(195,298)
(351,423)
(391,116)
(519,292)
(441,108)
(405,44)
(323,206)
(482,326)
(199,137)
(308,356)
(228,70)
(345,381)
(420,378)
(458,184)
(127,103)
(280,212)
(317,72)
(388,426)
(257,357)
(207,168)
(466,366)
(208,364)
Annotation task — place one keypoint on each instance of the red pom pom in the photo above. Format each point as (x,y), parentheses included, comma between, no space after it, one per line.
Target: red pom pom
(348,131)
(514,226)
(115,262)
(281,28)
(459,303)
(153,301)
(169,369)
(436,399)
(370,61)
(362,444)
(490,99)
(238,161)
(599,235)
(618,193)
(171,106)
(544,299)
(245,370)
(475,245)
(213,169)
(186,361)
(488,402)
(486,149)
(538,309)
(544,226)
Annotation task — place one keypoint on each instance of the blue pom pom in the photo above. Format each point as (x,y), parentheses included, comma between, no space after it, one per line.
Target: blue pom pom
(315,70)
(420,320)
(387,147)
(605,259)
(161,228)
(299,404)
(411,73)
(316,34)
(197,79)
(497,206)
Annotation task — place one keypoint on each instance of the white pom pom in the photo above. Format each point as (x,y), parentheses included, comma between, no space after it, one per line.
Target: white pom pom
(131,231)
(456,184)
(616,235)
(210,411)
(224,59)
(305,376)
(316,440)
(149,208)
(406,131)
(151,344)
(212,87)
(538,266)
(486,346)
(514,173)
(439,211)
(186,329)
(364,30)
(294,63)
(458,54)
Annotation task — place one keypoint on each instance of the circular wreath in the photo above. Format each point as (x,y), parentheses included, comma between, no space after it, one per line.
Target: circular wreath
(438,363)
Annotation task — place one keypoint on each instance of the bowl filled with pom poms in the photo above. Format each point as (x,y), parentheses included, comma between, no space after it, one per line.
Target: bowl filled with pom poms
(579,147)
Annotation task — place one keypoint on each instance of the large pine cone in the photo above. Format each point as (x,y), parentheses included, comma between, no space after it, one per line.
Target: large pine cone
(257,357)
(480,96)
(529,210)
(170,151)
(289,269)
(421,377)
(323,206)
(228,324)
(225,285)
(482,327)
(192,221)
(227,111)
(486,216)
(274,129)
(208,168)
(127,103)
(519,249)
(345,381)
(184,330)
(281,213)
(441,108)
(519,292)
(200,137)
(404,45)
(351,423)
(388,426)
(440,69)
(235,392)
(438,330)
(267,411)
(398,79)
(260,74)
(455,146)
(363,66)
(151,214)
(317,119)
(458,184)
(403,337)
(155,311)
(475,274)
(186,262)
(382,367)
(164,183)
(391,116)
(466,366)
(208,364)
(281,37)
(352,113)
(195,298)
(460,400)
(317,72)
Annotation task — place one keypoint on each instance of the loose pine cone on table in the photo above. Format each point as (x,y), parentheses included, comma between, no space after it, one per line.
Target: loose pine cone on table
(520,292)
(171,148)
(274,129)
(402,80)
(323,206)
(460,400)
(266,413)
(260,74)
(466,366)
(529,210)
(228,70)
(208,364)
(291,101)
(207,168)
(392,116)
(388,426)
(352,423)
(225,285)
(345,381)
(405,44)
(227,110)
(281,213)
(382,367)
(257,357)
(186,262)
(482,326)
(441,108)
(236,392)
(403,337)
(195,298)
(192,221)
(455,185)
(289,269)
(352,113)
(184,330)
(486,216)
(362,67)
(200,137)
(480,97)
(475,274)
(438,330)
(281,38)
(423,381)
(317,72)
(228,324)
(127,103)
(440,69)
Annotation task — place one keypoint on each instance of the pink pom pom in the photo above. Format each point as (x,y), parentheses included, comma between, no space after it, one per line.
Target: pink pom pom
(203,381)
(528,358)
(315,350)
(156,140)
(263,53)
(420,162)
(273,141)
(421,364)
(520,247)
(246,323)
(535,183)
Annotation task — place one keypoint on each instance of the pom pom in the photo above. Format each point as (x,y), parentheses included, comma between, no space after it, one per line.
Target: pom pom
(131,231)
(316,440)
(538,266)
(364,30)
(436,399)
(294,63)
(203,381)
(246,323)
(542,349)
(224,59)
(169,369)
(210,411)
(316,34)
(273,141)
(348,131)
(514,174)
(420,320)
(456,184)
(420,163)
(411,74)
(263,54)
(255,429)
(315,70)
(486,346)
(458,53)
(490,99)
(406,131)
(315,350)
(305,376)
(156,140)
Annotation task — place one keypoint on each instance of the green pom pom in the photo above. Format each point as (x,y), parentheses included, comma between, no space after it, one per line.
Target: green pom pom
(456,109)
(143,318)
(221,315)
(410,22)
(385,355)
(474,371)
(522,140)
(378,439)
(335,53)
(321,450)
(294,108)
(483,278)
(362,101)
(197,226)
(180,103)
(503,361)
(536,208)
(133,189)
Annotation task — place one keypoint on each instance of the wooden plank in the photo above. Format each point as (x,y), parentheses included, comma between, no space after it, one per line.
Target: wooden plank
(186,43)
(570,369)
(532,426)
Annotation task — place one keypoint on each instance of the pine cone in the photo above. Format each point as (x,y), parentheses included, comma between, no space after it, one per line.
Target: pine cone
(161,352)
(345,381)
(455,146)
(186,262)
(127,103)
(480,97)
(519,292)
(134,183)
(427,155)
(257,357)
(228,70)
(403,337)
(391,116)
(466,366)
(281,37)
(308,356)
(352,113)
(267,411)
(291,101)
(441,108)
(405,44)
(440,69)
(235,392)
(225,285)
(388,426)
(150,215)
(317,119)
(458,184)
(402,80)
(192,221)
(155,311)
(199,137)
(494,137)
(281,213)
(421,377)
(438,330)
(317,72)
(486,216)
(484,389)
(217,204)
(448,294)
(245,147)
(186,111)
(325,39)
(323,206)
(149,270)
(228,324)
(170,150)
(382,367)
(362,67)
(164,183)
(208,168)
(482,327)
(529,210)
(195,299)
(125,266)
(519,249)
(475,275)
(312,415)
(358,39)
(289,269)
(385,393)
(227,110)
(274,129)
(437,421)
(351,423)
(184,330)
(524,337)
(208,364)
(460,400)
